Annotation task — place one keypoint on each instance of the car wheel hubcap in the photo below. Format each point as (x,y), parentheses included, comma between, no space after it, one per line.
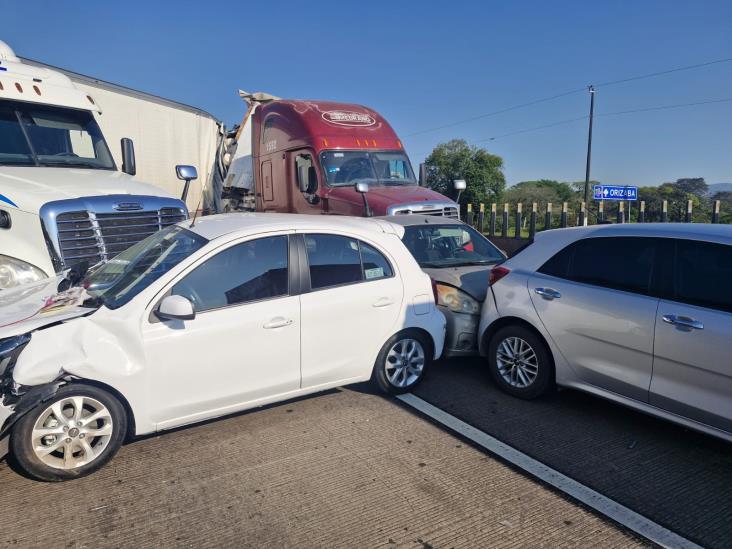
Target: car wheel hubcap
(517,362)
(72,432)
(405,362)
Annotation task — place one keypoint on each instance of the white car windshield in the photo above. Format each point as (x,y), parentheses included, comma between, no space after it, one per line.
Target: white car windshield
(118,281)
(346,168)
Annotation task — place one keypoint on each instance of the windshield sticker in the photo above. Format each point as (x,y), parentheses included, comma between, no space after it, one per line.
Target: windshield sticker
(376,272)
(338,155)
(5,199)
(349,118)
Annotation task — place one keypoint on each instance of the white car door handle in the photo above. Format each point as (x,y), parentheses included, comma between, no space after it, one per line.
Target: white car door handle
(683,322)
(277,322)
(384,302)
(548,293)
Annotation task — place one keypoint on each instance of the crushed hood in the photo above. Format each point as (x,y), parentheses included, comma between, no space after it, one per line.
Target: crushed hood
(471,279)
(29,188)
(33,306)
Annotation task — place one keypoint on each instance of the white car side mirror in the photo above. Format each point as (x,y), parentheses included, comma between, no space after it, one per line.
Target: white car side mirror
(175,307)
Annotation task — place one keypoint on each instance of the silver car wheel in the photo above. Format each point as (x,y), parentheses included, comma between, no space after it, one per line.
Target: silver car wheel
(72,432)
(404,362)
(517,362)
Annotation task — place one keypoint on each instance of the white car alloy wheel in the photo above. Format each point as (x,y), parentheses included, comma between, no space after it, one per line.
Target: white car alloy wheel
(404,362)
(517,362)
(72,432)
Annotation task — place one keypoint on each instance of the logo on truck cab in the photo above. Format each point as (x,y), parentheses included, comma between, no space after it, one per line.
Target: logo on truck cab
(127,206)
(349,118)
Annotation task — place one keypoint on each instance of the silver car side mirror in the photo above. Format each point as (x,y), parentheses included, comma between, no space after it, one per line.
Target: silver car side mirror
(175,307)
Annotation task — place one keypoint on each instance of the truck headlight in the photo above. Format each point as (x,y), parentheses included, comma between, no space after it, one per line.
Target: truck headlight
(455,300)
(14,272)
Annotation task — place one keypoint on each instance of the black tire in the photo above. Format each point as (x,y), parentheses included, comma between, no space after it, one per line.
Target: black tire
(21,438)
(516,384)
(385,365)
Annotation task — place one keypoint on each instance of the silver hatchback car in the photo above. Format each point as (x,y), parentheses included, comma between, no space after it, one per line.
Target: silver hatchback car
(639,313)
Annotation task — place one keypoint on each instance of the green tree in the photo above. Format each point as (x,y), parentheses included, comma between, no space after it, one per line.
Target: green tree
(481,170)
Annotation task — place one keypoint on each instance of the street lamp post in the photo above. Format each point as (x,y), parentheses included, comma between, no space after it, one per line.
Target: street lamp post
(591,89)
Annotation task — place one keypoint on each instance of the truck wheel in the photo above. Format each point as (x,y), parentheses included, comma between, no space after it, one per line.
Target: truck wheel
(520,363)
(75,433)
(402,362)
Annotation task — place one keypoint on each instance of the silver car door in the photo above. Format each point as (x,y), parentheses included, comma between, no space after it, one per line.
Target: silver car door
(692,371)
(593,302)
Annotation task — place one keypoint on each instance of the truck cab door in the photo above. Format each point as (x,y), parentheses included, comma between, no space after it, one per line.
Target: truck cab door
(303,182)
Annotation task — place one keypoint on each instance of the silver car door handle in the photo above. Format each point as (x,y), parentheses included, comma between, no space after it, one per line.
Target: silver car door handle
(278,322)
(384,302)
(683,321)
(548,293)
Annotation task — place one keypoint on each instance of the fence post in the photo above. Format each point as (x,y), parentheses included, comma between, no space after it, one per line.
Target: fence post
(563,218)
(492,227)
(518,221)
(548,216)
(689,205)
(715,212)
(532,221)
(664,211)
(601,211)
(642,212)
(504,220)
(469,216)
(481,218)
(583,214)
(621,212)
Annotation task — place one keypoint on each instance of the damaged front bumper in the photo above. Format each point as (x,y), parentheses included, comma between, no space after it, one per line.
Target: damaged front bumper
(5,413)
(10,348)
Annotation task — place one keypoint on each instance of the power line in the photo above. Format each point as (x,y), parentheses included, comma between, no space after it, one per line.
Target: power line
(616,113)
(660,73)
(494,113)
(570,92)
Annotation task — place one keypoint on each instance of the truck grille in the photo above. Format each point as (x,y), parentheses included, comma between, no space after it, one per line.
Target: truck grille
(446,211)
(94,237)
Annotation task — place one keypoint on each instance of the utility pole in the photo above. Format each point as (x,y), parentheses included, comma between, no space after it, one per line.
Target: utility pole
(591,89)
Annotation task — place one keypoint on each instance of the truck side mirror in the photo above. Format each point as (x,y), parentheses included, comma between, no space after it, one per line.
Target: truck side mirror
(187,174)
(307,179)
(128,156)
(422,175)
(363,188)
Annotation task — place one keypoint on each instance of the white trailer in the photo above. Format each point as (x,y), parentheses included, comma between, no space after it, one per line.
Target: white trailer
(166,134)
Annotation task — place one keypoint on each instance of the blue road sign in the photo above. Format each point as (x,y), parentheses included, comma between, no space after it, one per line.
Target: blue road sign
(615,192)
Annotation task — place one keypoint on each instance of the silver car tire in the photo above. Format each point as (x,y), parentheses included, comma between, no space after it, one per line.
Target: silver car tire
(520,362)
(73,434)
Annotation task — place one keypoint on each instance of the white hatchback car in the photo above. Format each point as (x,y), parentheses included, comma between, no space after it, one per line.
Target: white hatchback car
(235,312)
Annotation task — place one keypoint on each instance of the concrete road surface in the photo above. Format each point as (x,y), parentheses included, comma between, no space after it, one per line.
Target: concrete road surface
(343,469)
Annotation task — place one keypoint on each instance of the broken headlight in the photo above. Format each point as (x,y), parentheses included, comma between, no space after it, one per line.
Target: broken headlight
(10,348)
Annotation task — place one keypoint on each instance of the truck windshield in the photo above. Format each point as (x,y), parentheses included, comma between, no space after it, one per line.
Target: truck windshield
(43,135)
(122,278)
(346,168)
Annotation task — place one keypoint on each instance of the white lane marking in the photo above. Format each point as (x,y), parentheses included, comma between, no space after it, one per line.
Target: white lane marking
(602,504)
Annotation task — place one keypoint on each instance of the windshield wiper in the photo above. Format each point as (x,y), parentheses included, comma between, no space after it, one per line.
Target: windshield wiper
(73,163)
(476,262)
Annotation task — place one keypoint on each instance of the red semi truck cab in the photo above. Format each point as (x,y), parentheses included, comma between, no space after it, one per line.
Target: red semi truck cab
(308,156)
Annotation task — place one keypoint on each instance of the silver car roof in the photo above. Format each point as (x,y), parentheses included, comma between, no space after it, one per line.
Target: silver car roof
(547,243)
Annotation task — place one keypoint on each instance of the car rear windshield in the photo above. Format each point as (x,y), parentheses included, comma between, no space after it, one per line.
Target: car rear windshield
(449,246)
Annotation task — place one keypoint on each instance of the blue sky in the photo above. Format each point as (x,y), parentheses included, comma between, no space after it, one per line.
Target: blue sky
(426,64)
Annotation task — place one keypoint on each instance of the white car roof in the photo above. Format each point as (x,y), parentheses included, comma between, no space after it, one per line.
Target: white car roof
(244,224)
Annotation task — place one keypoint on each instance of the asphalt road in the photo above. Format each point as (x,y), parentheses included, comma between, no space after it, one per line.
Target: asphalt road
(674,476)
(346,468)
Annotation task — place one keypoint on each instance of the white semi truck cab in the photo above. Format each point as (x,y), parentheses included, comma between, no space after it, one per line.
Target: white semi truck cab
(63,200)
